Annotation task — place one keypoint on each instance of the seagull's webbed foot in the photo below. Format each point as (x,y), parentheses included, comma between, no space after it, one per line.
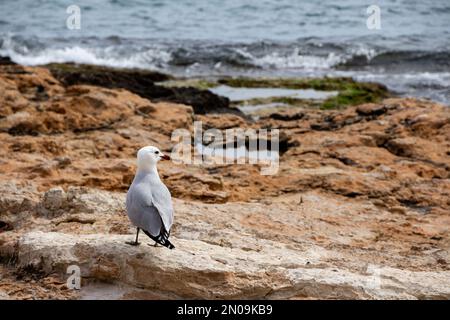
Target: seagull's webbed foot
(154,245)
(133,243)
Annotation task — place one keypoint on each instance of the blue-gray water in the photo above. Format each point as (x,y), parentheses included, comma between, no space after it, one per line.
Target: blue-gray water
(410,53)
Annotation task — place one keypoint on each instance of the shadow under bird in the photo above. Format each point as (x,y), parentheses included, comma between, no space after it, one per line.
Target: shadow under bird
(149,203)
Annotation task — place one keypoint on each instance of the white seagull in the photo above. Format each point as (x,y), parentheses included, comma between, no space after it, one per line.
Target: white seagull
(149,204)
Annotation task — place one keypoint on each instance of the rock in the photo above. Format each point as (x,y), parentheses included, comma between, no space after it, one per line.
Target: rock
(63,162)
(221,121)
(214,272)
(371,109)
(17,197)
(5,226)
(71,74)
(202,101)
(85,127)
(83,200)
(24,285)
(287,116)
(240,242)
(363,188)
(398,209)
(403,147)
(143,84)
(4,295)
(6,61)
(203,187)
(56,202)
(54,198)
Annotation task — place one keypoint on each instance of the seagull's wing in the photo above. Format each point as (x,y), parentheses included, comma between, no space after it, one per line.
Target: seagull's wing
(150,220)
(142,213)
(162,200)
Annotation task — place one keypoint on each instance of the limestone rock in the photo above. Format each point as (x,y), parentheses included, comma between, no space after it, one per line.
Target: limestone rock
(213,272)
(358,192)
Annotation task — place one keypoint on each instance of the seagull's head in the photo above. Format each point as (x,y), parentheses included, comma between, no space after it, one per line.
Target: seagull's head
(149,156)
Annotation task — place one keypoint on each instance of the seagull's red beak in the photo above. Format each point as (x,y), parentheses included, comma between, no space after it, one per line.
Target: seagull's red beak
(165,157)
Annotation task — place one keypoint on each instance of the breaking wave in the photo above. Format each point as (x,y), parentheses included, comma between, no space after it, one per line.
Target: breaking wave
(151,54)
(144,54)
(112,56)
(410,72)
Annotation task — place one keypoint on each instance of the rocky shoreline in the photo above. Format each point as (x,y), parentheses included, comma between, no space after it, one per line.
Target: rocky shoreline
(363,187)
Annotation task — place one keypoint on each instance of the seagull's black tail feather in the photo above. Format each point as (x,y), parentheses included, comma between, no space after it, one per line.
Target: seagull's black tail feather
(162,238)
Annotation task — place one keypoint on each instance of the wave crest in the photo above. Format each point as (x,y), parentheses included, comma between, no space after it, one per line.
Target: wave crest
(112,56)
(150,54)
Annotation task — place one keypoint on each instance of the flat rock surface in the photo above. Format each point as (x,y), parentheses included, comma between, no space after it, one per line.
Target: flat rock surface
(359,207)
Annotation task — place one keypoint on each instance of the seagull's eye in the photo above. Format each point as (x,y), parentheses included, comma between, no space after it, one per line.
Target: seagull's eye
(157,152)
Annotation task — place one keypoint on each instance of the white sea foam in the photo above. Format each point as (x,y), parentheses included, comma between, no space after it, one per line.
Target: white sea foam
(155,58)
(107,56)
(295,60)
(126,53)
(360,50)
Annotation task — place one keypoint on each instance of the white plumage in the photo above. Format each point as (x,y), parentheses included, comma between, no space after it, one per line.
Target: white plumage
(149,203)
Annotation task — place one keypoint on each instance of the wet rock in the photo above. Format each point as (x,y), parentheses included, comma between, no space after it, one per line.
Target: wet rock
(71,74)
(6,61)
(143,84)
(202,101)
(287,116)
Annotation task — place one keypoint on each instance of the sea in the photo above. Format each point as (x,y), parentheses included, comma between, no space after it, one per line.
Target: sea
(404,44)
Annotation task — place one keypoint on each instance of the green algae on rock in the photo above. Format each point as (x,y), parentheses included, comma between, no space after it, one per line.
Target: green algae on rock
(350,91)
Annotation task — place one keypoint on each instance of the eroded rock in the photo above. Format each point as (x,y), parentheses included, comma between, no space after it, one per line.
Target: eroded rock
(213,272)
(363,187)
(143,84)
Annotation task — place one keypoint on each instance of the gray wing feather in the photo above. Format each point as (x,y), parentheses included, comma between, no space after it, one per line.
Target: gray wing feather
(150,208)
(142,215)
(162,200)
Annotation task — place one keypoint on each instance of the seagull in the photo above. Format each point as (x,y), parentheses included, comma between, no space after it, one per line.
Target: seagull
(149,203)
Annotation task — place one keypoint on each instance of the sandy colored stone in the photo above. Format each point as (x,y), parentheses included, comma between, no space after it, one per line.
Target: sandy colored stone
(299,246)
(360,188)
(200,270)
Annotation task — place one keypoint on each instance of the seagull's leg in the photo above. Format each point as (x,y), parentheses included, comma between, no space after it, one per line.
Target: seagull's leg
(135,243)
(137,236)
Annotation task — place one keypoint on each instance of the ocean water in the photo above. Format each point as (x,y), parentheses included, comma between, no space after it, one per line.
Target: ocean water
(410,53)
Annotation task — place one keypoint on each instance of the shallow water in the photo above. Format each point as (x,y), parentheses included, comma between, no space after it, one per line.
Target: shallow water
(240,94)
(255,108)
